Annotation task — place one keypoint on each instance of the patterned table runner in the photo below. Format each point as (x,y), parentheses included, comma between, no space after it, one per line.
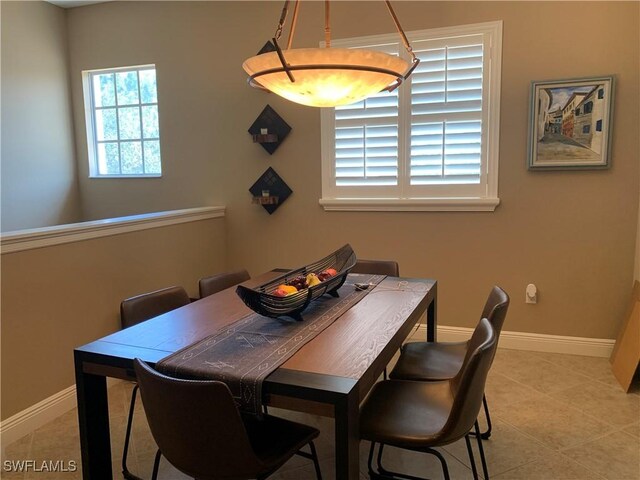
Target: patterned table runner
(243,354)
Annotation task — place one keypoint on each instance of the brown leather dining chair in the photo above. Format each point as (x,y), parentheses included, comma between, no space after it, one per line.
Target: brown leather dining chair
(420,416)
(377,267)
(428,361)
(216,283)
(135,310)
(201,432)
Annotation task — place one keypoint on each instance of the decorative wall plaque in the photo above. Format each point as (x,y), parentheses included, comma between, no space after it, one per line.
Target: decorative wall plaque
(270,191)
(269,129)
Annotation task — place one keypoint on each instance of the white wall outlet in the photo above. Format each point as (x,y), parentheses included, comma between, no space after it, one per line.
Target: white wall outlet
(531,294)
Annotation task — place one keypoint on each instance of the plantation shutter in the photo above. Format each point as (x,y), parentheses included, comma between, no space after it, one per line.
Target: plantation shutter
(432,144)
(366,138)
(446,112)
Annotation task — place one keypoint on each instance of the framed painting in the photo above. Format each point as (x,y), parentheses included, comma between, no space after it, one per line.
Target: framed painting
(570,124)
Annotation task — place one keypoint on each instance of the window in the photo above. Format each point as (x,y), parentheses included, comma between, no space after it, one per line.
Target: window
(432,144)
(123,134)
(586,129)
(588,107)
(601,93)
(599,126)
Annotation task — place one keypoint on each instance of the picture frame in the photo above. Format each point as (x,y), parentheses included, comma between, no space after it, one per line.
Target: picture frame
(570,124)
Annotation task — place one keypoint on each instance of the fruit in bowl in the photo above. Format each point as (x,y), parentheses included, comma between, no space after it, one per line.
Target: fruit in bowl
(326,274)
(300,282)
(284,290)
(312,279)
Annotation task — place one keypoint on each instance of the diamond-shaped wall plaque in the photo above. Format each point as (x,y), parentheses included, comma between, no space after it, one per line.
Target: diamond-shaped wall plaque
(272,189)
(267,47)
(269,129)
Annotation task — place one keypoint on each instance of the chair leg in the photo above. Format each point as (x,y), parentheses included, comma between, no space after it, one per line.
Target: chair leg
(125,452)
(316,463)
(311,456)
(370,460)
(443,463)
(483,460)
(487,433)
(156,465)
(384,474)
(472,460)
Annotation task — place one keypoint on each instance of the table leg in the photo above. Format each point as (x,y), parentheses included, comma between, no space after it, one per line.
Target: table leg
(347,438)
(93,420)
(432,322)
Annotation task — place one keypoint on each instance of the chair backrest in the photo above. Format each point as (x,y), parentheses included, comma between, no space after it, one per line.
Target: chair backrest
(216,283)
(377,267)
(468,384)
(148,305)
(196,425)
(495,308)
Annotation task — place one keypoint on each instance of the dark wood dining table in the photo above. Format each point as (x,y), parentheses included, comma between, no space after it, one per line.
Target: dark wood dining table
(330,375)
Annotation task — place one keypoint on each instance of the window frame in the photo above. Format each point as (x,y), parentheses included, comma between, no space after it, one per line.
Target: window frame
(404,197)
(90,120)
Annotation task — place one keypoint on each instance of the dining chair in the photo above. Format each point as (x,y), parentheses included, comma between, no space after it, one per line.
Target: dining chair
(216,283)
(200,431)
(428,361)
(377,267)
(133,311)
(420,416)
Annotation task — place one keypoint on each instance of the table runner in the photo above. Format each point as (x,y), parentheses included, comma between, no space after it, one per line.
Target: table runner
(243,354)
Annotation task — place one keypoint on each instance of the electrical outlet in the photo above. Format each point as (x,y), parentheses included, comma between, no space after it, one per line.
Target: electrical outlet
(531,294)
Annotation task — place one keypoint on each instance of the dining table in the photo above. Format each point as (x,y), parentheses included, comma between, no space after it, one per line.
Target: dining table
(330,375)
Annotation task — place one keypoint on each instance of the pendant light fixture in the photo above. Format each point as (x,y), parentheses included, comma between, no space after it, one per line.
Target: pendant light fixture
(327,77)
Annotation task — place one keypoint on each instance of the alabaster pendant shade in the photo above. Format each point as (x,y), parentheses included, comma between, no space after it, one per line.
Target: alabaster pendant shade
(327,77)
(357,74)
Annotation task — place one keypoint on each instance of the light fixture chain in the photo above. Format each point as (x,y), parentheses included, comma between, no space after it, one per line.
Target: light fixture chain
(283,18)
(327,24)
(414,60)
(405,41)
(294,21)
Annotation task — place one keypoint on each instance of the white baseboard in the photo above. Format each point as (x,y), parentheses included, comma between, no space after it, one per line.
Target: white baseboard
(536,342)
(32,418)
(38,415)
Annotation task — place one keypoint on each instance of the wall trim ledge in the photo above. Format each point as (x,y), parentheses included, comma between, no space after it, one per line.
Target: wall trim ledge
(535,342)
(20,240)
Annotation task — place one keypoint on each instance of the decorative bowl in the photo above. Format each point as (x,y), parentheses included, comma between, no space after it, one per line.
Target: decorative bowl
(261,299)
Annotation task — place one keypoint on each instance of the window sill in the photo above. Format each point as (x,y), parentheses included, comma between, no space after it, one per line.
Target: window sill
(126,176)
(410,204)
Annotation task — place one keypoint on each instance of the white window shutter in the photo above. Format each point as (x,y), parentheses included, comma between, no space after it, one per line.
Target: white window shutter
(446,113)
(366,139)
(430,145)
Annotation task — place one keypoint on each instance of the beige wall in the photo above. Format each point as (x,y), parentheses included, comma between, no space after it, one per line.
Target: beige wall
(636,274)
(195,111)
(571,233)
(57,298)
(39,184)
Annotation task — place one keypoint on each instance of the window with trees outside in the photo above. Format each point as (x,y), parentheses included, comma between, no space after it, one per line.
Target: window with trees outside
(431,144)
(123,131)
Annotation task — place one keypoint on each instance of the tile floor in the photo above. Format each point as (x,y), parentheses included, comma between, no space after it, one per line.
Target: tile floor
(556,417)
